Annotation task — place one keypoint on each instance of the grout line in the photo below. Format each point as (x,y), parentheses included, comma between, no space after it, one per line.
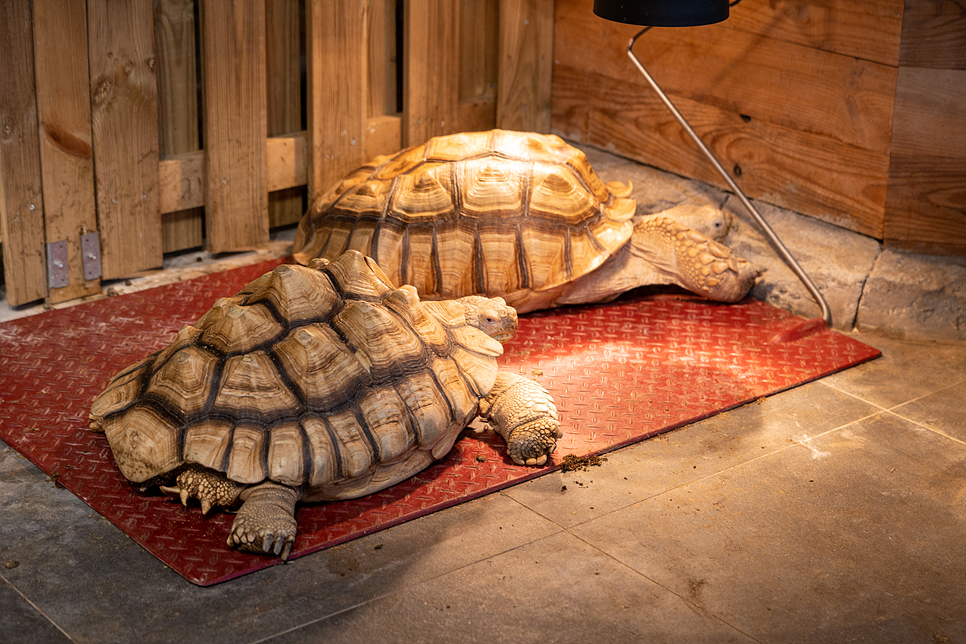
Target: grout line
(637,572)
(36,608)
(926,427)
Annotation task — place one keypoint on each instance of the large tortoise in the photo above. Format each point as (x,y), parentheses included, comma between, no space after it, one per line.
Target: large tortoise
(518,215)
(317,384)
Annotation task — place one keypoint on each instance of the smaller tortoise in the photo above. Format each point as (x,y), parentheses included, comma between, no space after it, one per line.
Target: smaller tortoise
(517,215)
(317,384)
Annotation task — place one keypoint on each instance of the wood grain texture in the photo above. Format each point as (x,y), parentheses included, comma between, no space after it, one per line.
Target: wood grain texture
(21,201)
(124,116)
(797,170)
(381,63)
(283,20)
(67,160)
(478,115)
(383,135)
(430,67)
(174,37)
(866,29)
(784,83)
(526,65)
(235,125)
(934,34)
(926,203)
(336,90)
(479,54)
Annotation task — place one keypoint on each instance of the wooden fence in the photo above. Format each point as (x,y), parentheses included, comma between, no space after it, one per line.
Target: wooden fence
(166,125)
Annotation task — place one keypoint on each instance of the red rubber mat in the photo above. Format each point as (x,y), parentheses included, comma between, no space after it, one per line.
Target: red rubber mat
(618,373)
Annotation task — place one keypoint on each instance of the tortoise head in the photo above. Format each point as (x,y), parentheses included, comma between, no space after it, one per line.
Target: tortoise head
(492,316)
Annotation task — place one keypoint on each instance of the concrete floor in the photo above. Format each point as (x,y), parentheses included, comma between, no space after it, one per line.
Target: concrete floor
(835,512)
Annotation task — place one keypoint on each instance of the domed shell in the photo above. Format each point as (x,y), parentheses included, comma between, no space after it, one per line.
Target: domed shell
(485,213)
(316,377)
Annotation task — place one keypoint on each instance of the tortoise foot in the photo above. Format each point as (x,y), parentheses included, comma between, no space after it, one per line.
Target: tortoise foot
(209,487)
(524,414)
(265,524)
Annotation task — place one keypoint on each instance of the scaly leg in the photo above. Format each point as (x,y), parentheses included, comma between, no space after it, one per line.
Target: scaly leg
(523,413)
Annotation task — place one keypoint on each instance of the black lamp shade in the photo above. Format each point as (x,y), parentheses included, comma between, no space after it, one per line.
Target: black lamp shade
(663,13)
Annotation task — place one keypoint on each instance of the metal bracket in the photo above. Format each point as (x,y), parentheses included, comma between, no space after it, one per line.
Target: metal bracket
(58,271)
(91,253)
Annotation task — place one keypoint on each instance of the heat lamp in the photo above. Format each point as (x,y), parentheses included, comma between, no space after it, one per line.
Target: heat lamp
(693,13)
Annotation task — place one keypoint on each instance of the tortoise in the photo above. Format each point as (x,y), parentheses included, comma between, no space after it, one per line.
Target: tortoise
(517,215)
(317,383)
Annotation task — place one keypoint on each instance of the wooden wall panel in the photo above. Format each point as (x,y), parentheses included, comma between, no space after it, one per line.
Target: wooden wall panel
(926,205)
(526,65)
(381,59)
(21,201)
(235,126)
(934,34)
(431,63)
(809,128)
(124,117)
(174,37)
(67,160)
(478,64)
(336,89)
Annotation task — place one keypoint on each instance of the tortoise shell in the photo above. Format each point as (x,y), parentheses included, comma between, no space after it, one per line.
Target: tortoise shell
(325,378)
(488,213)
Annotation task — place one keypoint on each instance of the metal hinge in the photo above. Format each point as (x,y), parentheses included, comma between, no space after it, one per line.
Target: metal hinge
(58,269)
(58,273)
(91,252)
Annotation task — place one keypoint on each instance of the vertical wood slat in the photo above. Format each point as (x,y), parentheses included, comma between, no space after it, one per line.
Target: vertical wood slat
(430,68)
(526,65)
(64,112)
(174,34)
(124,116)
(21,203)
(235,126)
(381,57)
(283,21)
(336,90)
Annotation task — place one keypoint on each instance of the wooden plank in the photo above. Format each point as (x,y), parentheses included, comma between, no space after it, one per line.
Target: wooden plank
(926,201)
(925,209)
(866,29)
(526,59)
(284,49)
(479,52)
(430,69)
(174,36)
(805,172)
(933,34)
(381,63)
(64,111)
(124,114)
(21,201)
(383,136)
(478,115)
(336,89)
(181,179)
(235,126)
(784,83)
(287,162)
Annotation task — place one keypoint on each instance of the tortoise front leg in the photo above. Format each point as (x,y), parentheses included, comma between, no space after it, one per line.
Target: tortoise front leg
(265,523)
(523,413)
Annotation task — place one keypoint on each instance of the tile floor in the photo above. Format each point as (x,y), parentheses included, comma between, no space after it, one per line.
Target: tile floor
(834,512)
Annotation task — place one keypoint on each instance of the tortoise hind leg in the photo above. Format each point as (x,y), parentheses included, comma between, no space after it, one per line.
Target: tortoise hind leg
(523,413)
(265,523)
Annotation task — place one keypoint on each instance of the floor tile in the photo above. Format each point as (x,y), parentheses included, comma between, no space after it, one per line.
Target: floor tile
(906,371)
(557,589)
(943,411)
(853,536)
(21,620)
(670,460)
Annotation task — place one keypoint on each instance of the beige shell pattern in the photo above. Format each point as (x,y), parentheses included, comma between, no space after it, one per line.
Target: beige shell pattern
(327,378)
(484,213)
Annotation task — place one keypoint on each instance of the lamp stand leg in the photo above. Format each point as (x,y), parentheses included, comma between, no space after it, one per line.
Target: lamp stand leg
(772,237)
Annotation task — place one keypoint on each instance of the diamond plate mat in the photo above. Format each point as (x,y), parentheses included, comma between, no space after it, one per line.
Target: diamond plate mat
(616,371)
